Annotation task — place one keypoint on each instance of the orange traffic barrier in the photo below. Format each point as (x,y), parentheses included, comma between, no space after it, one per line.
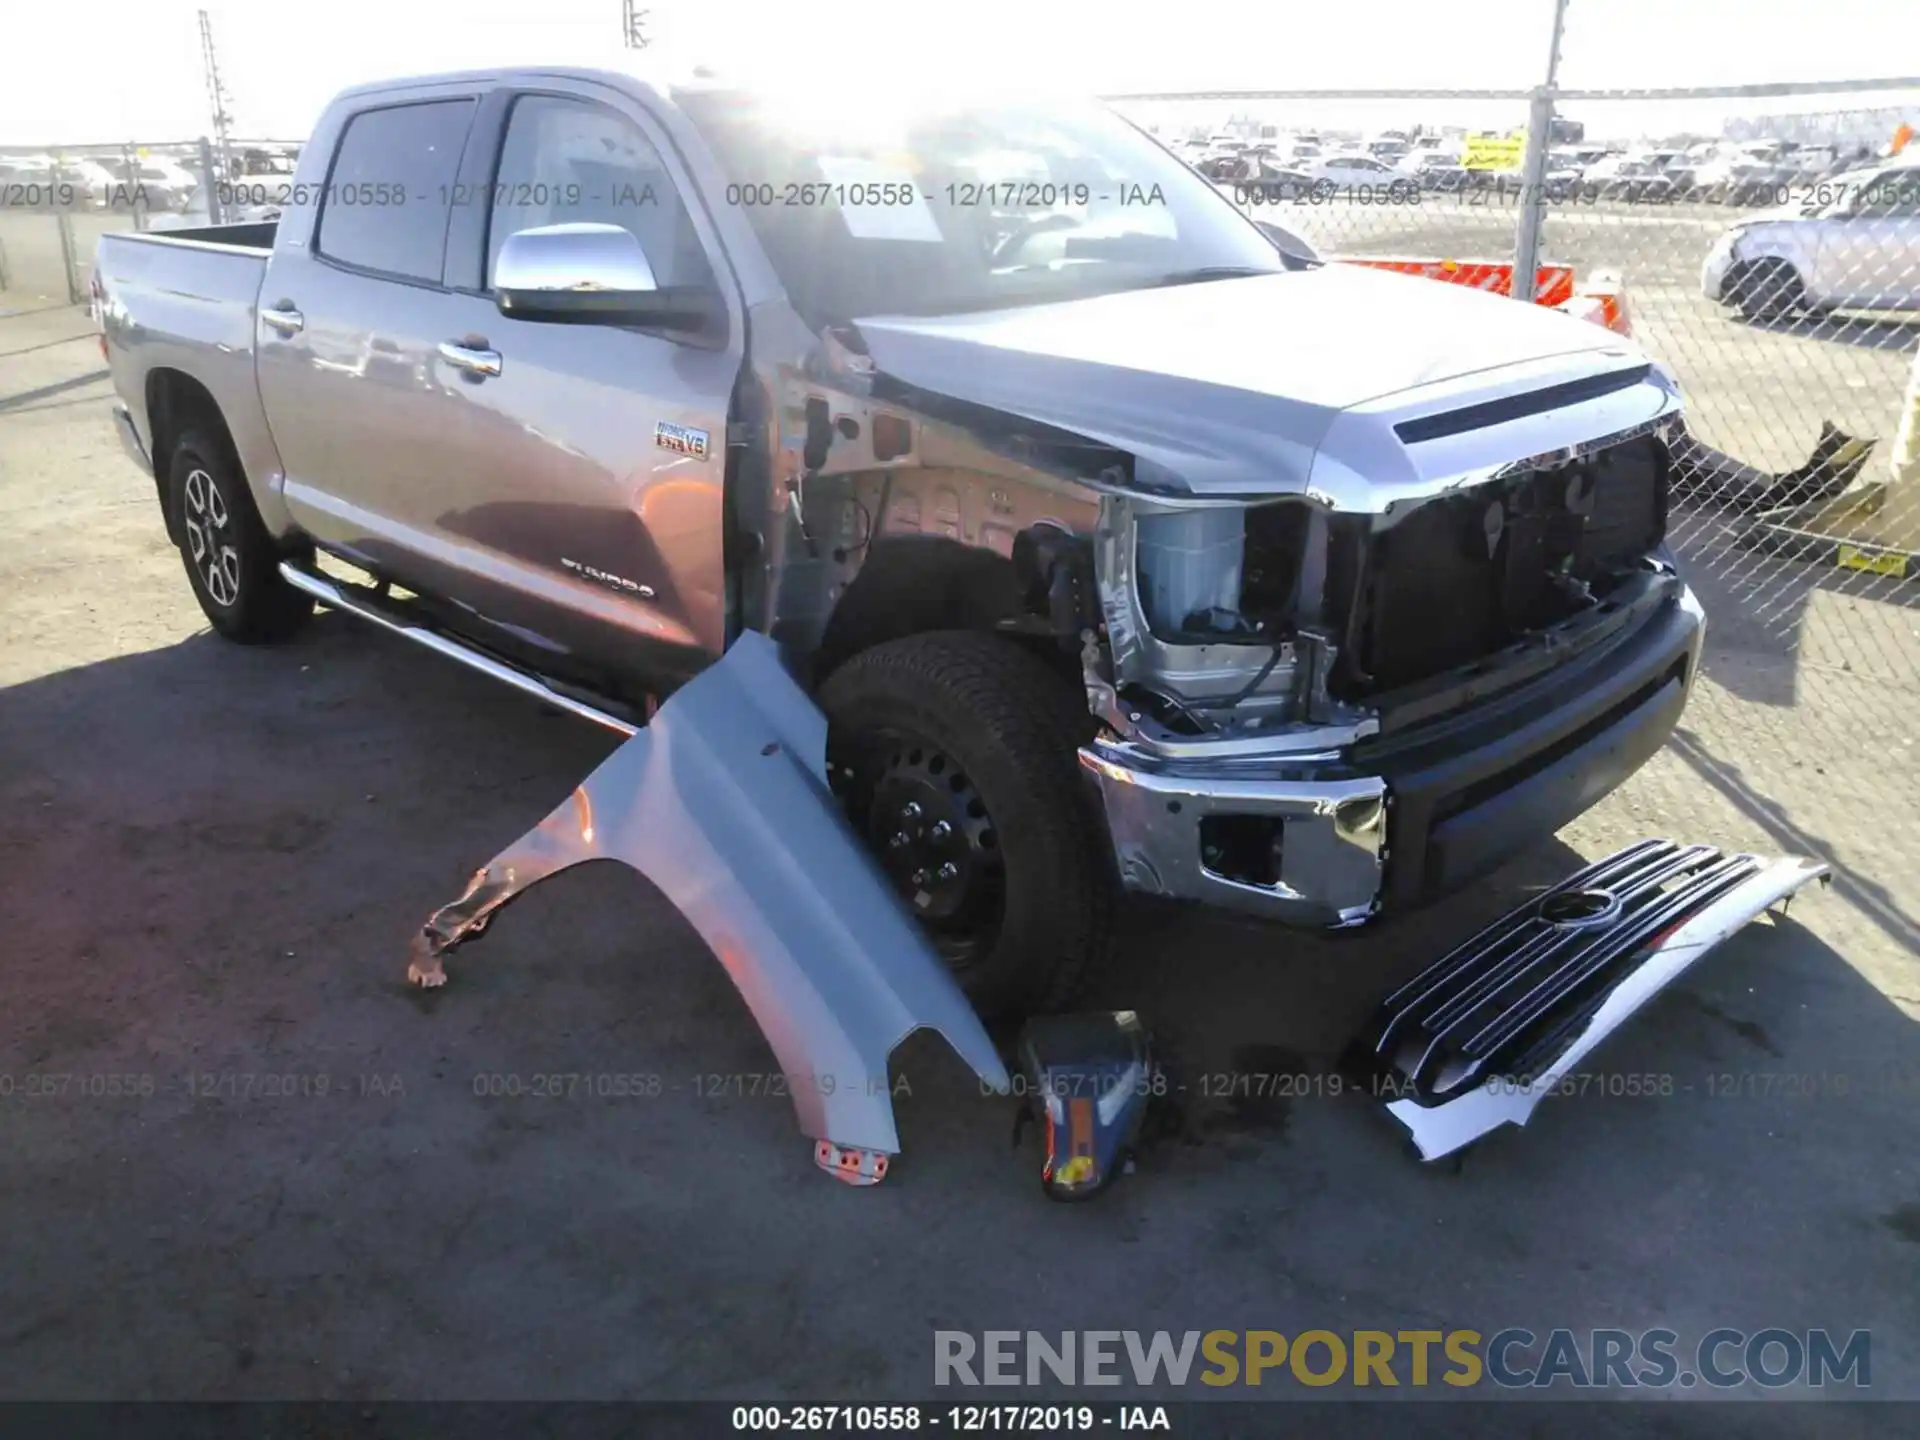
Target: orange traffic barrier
(1603,299)
(1553,284)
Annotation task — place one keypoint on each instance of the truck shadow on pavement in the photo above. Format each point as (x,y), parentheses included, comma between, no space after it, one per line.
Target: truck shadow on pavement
(214,857)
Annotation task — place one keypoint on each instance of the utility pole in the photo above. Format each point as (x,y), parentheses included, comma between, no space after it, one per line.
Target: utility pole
(217,98)
(634,25)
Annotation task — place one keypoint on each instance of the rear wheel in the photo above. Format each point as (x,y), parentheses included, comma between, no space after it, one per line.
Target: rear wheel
(231,560)
(1766,290)
(953,753)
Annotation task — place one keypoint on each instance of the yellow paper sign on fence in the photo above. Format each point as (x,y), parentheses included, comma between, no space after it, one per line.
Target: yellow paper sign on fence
(1494,152)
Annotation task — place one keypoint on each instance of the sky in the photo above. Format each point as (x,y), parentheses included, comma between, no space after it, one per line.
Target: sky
(133,70)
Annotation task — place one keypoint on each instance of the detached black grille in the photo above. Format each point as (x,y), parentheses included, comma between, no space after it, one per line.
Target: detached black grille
(1512,999)
(1468,574)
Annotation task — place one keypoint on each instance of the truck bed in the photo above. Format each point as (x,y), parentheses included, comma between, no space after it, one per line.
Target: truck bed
(250,235)
(185,301)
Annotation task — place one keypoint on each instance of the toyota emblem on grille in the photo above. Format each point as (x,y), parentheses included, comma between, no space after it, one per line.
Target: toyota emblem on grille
(1580,909)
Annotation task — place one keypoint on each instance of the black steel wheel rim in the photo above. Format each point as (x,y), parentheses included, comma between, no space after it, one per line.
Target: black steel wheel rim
(924,820)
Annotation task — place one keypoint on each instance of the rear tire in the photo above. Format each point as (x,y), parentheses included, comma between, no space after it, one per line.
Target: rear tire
(964,744)
(1766,290)
(232,562)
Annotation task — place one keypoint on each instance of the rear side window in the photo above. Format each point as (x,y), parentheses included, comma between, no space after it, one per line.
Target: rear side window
(387,200)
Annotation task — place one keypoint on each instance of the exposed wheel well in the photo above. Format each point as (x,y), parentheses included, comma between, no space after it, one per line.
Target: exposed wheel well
(177,402)
(913,584)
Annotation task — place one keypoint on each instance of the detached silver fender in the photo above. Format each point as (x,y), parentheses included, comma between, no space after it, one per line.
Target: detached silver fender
(1480,1037)
(722,802)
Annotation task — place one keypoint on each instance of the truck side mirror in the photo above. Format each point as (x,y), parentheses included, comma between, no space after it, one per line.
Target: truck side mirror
(1294,250)
(589,274)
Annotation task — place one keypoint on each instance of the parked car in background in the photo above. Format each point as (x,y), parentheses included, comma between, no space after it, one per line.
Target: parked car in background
(92,186)
(1225,165)
(27,183)
(1356,171)
(1673,162)
(1632,178)
(1579,157)
(1436,170)
(1272,184)
(1562,180)
(1858,251)
(155,184)
(1737,180)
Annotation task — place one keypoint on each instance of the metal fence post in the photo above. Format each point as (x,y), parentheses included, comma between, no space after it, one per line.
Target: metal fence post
(69,261)
(137,193)
(1533,200)
(210,180)
(1533,176)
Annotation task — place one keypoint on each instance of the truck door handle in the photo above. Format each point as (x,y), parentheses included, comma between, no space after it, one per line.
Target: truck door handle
(473,358)
(284,318)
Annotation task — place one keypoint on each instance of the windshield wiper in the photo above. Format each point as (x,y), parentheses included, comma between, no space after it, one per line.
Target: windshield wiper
(1204,273)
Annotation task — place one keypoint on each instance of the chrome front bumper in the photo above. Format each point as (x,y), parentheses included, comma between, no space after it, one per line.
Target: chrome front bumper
(130,437)
(1332,835)
(1369,825)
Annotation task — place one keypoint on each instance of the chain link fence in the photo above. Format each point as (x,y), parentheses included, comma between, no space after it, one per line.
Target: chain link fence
(56,202)
(1777,273)
(1770,258)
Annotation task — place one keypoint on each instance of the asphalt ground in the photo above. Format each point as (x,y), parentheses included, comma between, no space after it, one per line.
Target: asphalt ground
(211,857)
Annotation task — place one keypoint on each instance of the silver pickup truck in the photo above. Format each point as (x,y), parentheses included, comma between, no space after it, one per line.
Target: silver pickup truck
(1123,548)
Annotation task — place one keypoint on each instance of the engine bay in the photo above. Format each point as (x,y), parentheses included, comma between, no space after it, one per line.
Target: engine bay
(1388,602)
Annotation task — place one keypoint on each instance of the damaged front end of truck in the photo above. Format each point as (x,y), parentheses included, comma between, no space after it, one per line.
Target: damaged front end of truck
(1338,658)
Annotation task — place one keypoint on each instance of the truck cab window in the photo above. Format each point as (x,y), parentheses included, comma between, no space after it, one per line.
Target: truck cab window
(386,203)
(568,162)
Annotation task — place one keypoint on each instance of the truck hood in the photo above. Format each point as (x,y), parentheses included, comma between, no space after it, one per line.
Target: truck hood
(1232,387)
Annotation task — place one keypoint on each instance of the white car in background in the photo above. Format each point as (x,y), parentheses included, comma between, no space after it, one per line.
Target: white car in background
(92,186)
(1861,251)
(156,184)
(1358,172)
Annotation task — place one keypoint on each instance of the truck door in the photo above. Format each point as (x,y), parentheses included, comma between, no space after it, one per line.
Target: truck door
(350,311)
(582,464)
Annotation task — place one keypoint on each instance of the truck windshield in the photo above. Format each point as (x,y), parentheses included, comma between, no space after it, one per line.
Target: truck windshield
(933,209)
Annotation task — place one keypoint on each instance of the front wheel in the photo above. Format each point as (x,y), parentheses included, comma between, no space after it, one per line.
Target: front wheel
(954,755)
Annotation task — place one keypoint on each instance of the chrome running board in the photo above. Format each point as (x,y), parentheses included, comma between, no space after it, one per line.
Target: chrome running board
(390,616)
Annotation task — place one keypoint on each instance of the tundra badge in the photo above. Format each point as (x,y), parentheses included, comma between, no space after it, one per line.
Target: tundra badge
(681,439)
(607,578)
